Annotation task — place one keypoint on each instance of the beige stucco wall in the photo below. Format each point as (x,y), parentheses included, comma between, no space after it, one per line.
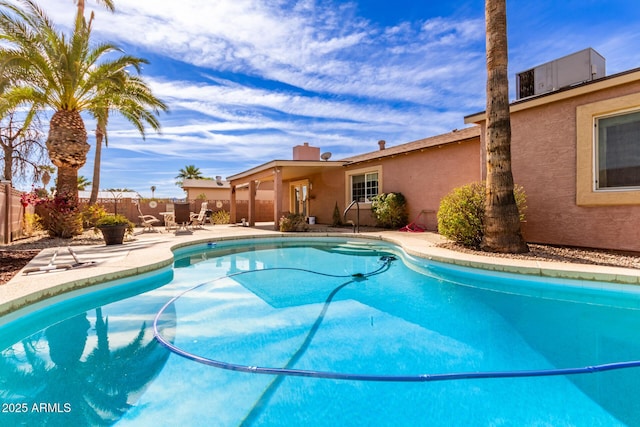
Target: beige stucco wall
(210,193)
(423,177)
(543,150)
(327,189)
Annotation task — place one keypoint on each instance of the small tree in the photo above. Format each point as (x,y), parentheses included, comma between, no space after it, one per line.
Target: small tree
(337,219)
(22,149)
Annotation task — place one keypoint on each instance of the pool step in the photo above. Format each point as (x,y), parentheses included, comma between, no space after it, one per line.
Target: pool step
(357,248)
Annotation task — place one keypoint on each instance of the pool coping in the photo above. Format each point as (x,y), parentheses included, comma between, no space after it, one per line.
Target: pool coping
(152,252)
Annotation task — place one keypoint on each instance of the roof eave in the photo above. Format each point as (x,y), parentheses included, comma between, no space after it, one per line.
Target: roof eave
(415,150)
(284,163)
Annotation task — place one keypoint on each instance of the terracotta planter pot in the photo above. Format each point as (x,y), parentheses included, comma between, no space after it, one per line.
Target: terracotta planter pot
(113,234)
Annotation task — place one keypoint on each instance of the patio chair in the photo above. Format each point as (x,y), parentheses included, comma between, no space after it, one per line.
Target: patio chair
(169,217)
(147,220)
(199,219)
(182,217)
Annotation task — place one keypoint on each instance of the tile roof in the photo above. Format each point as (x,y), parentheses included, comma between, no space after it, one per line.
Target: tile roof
(457,135)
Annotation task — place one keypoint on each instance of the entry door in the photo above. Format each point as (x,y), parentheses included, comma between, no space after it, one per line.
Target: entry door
(300,197)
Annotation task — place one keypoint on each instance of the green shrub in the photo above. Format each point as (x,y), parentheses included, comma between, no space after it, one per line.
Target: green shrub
(91,214)
(32,224)
(293,222)
(461,213)
(390,210)
(220,217)
(60,216)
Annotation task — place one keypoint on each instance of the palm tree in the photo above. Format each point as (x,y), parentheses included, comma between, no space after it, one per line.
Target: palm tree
(137,93)
(133,100)
(83,183)
(188,172)
(502,223)
(62,73)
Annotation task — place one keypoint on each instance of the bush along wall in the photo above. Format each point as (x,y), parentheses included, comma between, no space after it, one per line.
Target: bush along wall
(461,213)
(390,210)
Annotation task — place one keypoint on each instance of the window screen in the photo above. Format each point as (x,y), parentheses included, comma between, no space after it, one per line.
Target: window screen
(364,187)
(618,151)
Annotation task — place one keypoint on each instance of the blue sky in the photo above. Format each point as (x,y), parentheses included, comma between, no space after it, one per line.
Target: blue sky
(246,80)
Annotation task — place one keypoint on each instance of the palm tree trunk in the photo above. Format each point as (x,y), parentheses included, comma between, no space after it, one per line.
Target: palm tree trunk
(67,145)
(96,165)
(502,223)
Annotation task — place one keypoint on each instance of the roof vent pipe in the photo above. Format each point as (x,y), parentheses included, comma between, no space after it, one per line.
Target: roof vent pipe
(381,143)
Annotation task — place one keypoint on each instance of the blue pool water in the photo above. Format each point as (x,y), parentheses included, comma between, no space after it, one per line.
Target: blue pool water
(322,305)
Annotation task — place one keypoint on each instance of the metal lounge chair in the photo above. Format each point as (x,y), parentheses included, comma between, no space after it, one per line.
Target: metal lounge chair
(147,220)
(52,266)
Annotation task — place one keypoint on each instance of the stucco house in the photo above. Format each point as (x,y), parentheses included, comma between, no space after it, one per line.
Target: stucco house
(424,171)
(575,150)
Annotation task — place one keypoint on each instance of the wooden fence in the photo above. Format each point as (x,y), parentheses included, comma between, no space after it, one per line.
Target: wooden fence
(128,208)
(12,213)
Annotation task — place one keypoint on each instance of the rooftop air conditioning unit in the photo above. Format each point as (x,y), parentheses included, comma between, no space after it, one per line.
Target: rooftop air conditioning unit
(569,70)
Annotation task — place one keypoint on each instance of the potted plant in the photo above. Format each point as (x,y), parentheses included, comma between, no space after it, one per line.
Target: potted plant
(113,228)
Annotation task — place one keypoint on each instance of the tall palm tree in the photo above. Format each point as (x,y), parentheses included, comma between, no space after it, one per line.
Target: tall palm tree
(62,73)
(101,117)
(132,99)
(502,223)
(188,172)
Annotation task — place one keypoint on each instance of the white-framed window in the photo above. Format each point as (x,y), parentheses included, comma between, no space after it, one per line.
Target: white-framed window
(364,187)
(363,184)
(617,139)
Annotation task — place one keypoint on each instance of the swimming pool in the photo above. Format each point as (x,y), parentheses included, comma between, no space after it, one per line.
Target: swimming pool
(355,307)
